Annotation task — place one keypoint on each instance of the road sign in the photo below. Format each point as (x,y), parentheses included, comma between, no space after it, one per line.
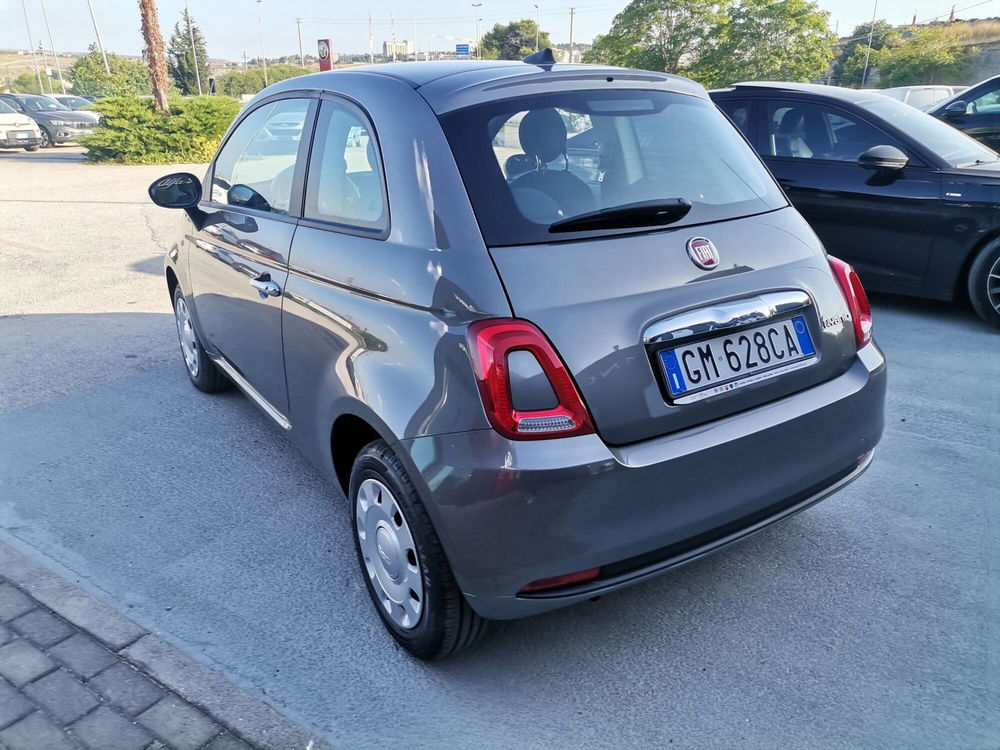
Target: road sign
(323,46)
(462,50)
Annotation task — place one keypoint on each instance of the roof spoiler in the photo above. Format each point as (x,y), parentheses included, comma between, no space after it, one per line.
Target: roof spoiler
(543,58)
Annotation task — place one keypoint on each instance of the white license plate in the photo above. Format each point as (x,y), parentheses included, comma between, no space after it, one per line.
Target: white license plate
(22,134)
(736,360)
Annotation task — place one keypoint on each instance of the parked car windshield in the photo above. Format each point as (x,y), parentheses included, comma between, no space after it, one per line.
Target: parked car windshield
(6,108)
(532,163)
(41,104)
(950,144)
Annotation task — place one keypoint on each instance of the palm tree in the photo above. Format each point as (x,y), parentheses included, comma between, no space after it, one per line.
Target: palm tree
(153,52)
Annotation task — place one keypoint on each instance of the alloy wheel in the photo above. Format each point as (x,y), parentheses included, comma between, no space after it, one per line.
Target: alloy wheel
(389,553)
(993,285)
(187,337)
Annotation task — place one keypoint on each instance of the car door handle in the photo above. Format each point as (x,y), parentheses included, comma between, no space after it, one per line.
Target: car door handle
(265,286)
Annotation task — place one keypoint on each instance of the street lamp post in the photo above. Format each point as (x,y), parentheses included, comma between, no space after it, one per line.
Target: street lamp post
(260,34)
(479,53)
(52,46)
(536,27)
(31,48)
(194,49)
(302,57)
(97,33)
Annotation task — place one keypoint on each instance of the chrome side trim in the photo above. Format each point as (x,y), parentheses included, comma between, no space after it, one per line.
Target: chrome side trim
(725,315)
(252,393)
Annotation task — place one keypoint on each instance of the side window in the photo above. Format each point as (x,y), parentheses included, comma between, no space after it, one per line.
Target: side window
(739,113)
(256,166)
(803,130)
(987,102)
(345,175)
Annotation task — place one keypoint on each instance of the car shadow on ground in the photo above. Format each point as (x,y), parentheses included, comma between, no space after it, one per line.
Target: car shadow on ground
(55,154)
(152,265)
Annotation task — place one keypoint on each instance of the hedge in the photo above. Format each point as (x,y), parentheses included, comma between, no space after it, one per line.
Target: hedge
(133,131)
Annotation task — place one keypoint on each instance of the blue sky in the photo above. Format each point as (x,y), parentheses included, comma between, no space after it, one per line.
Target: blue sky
(230,26)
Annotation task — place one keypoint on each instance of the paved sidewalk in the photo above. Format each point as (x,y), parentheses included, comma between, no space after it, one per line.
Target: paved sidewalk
(75,673)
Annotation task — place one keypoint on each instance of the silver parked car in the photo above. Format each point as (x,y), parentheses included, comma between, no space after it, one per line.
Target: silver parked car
(553,329)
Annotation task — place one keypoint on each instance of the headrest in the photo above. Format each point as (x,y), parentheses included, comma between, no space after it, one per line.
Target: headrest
(791,121)
(543,134)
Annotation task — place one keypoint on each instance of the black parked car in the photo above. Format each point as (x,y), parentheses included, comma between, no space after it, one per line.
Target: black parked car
(975,111)
(911,203)
(57,122)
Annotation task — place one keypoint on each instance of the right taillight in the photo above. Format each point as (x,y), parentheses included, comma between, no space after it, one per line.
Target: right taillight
(857,300)
(490,341)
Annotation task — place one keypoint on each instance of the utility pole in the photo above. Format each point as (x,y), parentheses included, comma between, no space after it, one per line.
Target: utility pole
(302,57)
(244,60)
(371,40)
(52,46)
(416,55)
(194,49)
(260,33)
(45,65)
(868,51)
(572,13)
(97,33)
(31,48)
(536,27)
(392,35)
(479,53)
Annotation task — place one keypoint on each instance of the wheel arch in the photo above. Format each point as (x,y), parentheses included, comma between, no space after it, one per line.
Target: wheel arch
(961,289)
(349,433)
(172,282)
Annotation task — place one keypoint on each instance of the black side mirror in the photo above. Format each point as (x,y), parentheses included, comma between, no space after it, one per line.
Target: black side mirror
(177,190)
(955,110)
(883,157)
(246,196)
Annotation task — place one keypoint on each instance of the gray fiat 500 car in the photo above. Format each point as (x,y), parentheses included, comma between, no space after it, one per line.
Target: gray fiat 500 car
(552,329)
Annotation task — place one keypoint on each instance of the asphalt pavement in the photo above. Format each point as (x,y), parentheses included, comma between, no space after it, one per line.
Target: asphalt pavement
(873,619)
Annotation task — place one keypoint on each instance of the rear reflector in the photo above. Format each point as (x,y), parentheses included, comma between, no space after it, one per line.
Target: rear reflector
(490,341)
(544,584)
(857,300)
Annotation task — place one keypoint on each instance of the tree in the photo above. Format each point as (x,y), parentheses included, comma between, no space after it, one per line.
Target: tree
(515,41)
(128,77)
(778,40)
(183,59)
(26,83)
(667,35)
(849,65)
(931,55)
(250,81)
(153,52)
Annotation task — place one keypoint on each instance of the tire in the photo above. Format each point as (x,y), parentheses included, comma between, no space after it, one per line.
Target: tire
(204,375)
(984,283)
(46,138)
(445,623)
(31,148)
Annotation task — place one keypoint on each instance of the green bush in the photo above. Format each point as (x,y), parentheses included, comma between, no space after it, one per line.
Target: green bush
(133,131)
(239,82)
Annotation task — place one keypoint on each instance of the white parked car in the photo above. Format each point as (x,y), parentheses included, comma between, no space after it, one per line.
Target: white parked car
(921,97)
(17,130)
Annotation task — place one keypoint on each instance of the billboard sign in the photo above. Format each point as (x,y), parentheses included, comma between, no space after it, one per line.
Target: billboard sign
(462,50)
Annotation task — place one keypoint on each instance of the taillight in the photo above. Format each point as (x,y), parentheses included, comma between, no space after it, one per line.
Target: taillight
(490,341)
(857,300)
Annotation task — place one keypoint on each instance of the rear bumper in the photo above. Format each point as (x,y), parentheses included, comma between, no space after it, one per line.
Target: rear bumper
(512,512)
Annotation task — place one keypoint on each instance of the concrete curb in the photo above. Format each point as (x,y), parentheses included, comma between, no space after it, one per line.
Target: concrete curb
(254,721)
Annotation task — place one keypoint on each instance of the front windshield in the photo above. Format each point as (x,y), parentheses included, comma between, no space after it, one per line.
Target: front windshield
(42,104)
(950,144)
(533,163)
(6,109)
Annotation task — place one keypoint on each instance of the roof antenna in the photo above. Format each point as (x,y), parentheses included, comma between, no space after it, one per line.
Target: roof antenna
(543,58)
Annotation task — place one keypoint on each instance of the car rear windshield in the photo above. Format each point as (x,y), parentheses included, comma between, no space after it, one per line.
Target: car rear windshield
(534,162)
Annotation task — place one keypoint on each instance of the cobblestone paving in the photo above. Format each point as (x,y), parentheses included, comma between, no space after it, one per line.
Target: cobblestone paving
(61,688)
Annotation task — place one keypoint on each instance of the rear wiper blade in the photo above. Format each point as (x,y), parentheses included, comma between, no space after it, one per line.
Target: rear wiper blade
(641,214)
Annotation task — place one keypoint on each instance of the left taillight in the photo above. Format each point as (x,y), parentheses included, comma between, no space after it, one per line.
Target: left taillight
(490,343)
(857,299)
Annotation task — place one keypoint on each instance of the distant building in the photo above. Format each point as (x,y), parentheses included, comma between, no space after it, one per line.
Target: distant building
(397,49)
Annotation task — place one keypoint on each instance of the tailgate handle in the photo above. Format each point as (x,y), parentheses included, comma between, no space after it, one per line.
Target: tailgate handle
(731,314)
